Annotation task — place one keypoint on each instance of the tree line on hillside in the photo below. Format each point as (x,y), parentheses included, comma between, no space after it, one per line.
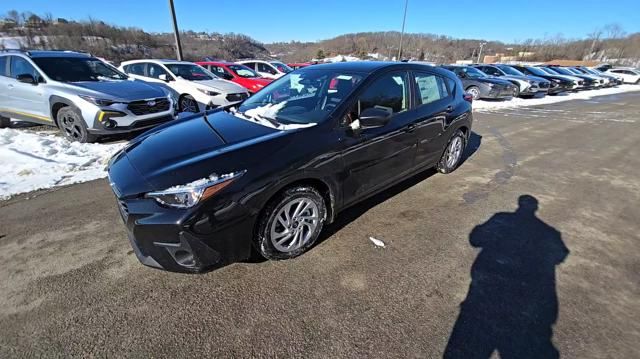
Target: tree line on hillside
(117,43)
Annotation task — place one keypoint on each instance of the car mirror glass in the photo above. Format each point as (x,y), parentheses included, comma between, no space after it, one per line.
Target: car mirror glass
(373,117)
(164,77)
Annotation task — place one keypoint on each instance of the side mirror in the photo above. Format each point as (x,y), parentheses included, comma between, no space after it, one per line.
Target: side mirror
(462,75)
(164,77)
(27,79)
(374,117)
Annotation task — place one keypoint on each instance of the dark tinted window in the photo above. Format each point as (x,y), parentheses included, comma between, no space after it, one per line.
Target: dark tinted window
(390,93)
(74,69)
(20,66)
(155,70)
(266,68)
(490,70)
(135,69)
(430,87)
(3,65)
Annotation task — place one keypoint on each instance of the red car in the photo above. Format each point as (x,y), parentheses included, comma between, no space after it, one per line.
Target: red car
(299,65)
(237,73)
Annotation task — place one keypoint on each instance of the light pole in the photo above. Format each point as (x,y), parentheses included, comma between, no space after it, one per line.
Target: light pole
(175,30)
(404,19)
(480,53)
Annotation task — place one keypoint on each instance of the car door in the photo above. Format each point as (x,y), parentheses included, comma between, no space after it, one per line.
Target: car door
(375,157)
(434,105)
(4,81)
(23,98)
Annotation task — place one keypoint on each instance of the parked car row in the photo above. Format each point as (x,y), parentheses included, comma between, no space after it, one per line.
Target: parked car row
(501,81)
(86,97)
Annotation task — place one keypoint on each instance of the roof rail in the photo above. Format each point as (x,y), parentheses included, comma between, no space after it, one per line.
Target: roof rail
(28,51)
(14,50)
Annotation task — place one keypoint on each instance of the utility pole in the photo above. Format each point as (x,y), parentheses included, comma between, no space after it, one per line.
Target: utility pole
(175,30)
(480,53)
(404,19)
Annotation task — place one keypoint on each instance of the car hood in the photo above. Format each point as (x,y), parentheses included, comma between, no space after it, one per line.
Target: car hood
(194,147)
(126,90)
(218,84)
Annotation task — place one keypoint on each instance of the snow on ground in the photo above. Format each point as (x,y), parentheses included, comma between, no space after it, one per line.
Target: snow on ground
(31,161)
(521,102)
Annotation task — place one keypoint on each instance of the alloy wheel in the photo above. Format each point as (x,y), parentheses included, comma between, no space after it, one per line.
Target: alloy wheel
(475,93)
(188,104)
(294,225)
(454,151)
(71,126)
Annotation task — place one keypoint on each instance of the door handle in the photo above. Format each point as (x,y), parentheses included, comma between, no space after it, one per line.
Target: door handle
(410,128)
(449,109)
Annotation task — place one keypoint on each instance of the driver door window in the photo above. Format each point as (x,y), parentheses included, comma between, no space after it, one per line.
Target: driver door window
(155,71)
(266,68)
(20,66)
(389,93)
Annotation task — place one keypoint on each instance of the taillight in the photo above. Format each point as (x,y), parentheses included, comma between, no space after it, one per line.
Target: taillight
(467,97)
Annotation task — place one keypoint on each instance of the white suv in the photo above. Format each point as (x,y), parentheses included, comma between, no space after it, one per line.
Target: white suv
(628,74)
(196,88)
(268,69)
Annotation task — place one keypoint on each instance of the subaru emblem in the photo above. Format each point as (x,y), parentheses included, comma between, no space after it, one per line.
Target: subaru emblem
(151,103)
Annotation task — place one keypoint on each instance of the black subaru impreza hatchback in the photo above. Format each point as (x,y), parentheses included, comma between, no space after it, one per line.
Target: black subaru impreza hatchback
(267,175)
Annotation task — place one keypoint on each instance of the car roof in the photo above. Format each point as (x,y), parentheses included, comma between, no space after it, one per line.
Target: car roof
(223,63)
(376,66)
(47,53)
(161,61)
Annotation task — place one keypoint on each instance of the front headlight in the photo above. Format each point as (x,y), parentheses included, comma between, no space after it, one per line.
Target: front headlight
(556,80)
(97,101)
(208,92)
(188,195)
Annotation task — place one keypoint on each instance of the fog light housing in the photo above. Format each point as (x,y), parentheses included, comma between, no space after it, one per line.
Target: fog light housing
(106,118)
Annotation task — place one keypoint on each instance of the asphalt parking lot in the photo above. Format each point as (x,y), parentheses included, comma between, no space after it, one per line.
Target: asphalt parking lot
(537,233)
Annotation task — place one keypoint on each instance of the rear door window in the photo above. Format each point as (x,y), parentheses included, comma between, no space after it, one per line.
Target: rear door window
(430,88)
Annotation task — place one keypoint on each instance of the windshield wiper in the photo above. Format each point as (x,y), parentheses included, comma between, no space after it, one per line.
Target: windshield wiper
(269,119)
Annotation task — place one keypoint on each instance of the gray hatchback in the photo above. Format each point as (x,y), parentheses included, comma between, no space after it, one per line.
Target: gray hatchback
(80,94)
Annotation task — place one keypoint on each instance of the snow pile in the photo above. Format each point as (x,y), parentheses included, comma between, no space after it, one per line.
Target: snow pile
(583,95)
(31,161)
(341,58)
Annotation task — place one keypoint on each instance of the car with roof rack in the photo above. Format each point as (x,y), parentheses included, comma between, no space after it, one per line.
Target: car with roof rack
(196,88)
(237,73)
(80,94)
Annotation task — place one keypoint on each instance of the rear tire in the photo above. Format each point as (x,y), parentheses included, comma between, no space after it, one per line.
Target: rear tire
(5,122)
(452,155)
(72,126)
(291,223)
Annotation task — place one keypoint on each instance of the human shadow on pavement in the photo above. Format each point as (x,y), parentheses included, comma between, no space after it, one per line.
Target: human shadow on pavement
(512,302)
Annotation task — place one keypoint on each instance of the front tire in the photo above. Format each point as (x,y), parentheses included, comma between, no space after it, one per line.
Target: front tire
(188,104)
(72,126)
(5,122)
(516,91)
(474,91)
(452,155)
(291,223)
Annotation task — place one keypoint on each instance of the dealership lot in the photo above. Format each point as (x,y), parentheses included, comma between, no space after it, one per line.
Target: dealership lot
(70,284)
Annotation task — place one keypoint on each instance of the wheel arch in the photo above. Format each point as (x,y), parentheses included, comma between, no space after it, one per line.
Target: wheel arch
(55,104)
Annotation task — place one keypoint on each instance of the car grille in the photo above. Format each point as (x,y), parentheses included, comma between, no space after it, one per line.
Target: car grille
(543,85)
(147,107)
(151,122)
(235,97)
(580,83)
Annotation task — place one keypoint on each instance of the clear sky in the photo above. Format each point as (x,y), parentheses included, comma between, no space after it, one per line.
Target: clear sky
(309,20)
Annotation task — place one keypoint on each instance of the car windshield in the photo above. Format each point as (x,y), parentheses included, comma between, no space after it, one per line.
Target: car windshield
(510,70)
(548,71)
(304,97)
(536,71)
(78,69)
(575,71)
(562,71)
(243,71)
(281,67)
(190,72)
(473,72)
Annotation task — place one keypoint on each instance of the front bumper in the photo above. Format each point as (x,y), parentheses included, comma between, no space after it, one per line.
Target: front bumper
(135,126)
(497,93)
(186,240)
